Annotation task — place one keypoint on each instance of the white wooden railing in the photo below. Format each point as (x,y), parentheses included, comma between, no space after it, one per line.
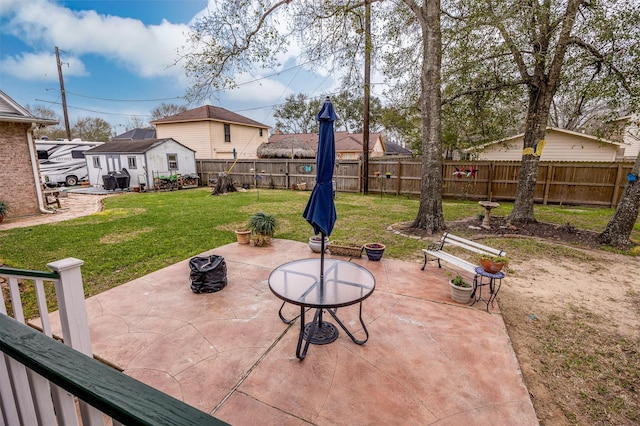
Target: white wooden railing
(39,374)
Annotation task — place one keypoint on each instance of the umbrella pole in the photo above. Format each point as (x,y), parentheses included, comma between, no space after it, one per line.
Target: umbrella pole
(321,272)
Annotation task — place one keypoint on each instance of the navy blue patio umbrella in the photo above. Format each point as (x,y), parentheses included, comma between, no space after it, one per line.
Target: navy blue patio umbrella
(321,210)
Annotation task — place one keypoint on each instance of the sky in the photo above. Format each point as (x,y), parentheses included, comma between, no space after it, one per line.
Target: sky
(116,60)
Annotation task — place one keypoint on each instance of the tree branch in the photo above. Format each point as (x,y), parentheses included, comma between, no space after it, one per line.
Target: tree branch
(494,86)
(601,58)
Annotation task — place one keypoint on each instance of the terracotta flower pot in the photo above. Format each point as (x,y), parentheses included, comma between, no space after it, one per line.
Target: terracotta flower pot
(491,266)
(243,236)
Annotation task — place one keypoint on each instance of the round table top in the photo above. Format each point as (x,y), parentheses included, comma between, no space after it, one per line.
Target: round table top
(498,275)
(344,283)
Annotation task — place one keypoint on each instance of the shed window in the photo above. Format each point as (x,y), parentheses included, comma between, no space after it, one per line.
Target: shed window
(227,133)
(260,132)
(172,159)
(96,162)
(131,161)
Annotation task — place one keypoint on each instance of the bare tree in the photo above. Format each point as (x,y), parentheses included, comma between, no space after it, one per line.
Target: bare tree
(166,110)
(240,37)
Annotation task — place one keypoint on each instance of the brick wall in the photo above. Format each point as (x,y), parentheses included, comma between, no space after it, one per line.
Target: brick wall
(17,185)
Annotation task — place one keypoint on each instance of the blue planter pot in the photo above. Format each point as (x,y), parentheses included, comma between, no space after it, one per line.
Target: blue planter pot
(374,251)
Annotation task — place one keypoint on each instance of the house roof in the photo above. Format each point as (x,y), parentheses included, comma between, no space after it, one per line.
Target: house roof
(12,112)
(345,141)
(210,113)
(137,134)
(391,148)
(549,129)
(131,146)
(286,148)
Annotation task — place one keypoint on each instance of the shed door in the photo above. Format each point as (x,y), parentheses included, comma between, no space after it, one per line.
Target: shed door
(113,163)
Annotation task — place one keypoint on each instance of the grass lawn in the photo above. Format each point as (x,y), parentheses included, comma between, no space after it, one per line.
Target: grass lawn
(138,233)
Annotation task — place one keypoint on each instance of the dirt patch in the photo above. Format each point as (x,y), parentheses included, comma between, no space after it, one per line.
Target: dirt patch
(572,312)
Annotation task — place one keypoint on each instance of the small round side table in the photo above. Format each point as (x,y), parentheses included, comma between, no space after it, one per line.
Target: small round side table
(494,282)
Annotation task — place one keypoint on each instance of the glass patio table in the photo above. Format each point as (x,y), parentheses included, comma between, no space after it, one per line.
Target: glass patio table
(342,284)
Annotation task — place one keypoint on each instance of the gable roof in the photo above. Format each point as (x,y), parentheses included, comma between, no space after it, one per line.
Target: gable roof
(345,141)
(549,129)
(210,113)
(11,111)
(137,134)
(391,148)
(131,146)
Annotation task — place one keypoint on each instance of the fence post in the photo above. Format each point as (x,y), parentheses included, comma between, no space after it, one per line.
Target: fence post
(616,188)
(547,184)
(492,170)
(399,174)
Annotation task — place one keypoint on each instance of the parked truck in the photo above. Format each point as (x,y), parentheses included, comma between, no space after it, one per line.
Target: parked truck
(63,162)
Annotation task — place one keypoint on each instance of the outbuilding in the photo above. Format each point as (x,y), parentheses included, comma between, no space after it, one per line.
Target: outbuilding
(558,145)
(144,161)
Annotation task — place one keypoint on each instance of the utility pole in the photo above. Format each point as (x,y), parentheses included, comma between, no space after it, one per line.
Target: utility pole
(367,93)
(64,96)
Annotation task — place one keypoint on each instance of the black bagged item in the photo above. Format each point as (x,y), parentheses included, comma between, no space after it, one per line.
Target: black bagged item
(208,274)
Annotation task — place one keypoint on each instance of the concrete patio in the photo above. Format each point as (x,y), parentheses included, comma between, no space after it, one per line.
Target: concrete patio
(428,360)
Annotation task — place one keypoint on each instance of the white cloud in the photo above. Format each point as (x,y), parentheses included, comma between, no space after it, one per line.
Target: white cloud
(144,50)
(41,67)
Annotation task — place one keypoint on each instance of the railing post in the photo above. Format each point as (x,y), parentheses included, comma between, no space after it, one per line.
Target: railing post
(73,314)
(74,320)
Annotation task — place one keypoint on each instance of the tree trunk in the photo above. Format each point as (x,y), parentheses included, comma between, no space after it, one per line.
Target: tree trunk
(618,230)
(534,140)
(430,217)
(223,185)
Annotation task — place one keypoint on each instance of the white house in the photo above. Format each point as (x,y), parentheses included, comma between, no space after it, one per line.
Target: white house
(214,132)
(558,145)
(143,160)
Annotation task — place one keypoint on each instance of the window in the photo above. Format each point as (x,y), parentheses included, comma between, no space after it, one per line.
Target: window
(131,161)
(43,155)
(260,132)
(77,154)
(227,133)
(96,162)
(172,159)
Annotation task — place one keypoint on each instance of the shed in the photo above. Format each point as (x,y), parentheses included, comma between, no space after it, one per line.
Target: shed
(559,145)
(142,159)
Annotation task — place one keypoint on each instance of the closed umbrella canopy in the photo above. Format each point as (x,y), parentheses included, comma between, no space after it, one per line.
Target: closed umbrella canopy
(321,210)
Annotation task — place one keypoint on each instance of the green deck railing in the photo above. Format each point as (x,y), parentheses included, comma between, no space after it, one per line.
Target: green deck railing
(119,396)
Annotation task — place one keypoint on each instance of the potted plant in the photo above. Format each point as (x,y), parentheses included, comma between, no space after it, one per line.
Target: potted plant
(374,250)
(460,288)
(315,243)
(243,235)
(4,208)
(262,226)
(493,264)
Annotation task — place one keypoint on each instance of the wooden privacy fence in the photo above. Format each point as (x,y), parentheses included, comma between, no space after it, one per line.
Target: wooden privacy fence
(575,183)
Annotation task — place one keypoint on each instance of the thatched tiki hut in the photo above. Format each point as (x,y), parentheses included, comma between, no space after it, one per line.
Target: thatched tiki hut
(291,147)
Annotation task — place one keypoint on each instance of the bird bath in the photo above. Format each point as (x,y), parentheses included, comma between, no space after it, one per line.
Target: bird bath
(488,205)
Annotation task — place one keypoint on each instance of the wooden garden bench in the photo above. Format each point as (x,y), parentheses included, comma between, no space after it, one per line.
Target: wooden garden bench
(437,251)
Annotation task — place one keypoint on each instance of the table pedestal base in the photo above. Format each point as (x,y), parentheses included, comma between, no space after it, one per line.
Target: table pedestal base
(322,335)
